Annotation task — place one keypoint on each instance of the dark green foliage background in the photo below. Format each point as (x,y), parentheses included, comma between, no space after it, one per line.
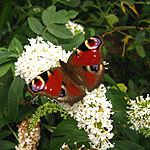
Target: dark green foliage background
(20,20)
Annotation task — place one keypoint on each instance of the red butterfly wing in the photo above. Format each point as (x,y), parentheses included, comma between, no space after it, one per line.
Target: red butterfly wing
(56,84)
(89,52)
(70,91)
(87,62)
(47,83)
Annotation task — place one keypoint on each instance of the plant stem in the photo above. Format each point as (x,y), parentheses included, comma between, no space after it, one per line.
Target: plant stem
(111,6)
(125,28)
(13,132)
(147,3)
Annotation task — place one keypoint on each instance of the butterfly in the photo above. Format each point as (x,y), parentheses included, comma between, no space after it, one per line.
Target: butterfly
(83,70)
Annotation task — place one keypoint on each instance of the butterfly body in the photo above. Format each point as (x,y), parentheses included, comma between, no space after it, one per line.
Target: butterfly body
(84,70)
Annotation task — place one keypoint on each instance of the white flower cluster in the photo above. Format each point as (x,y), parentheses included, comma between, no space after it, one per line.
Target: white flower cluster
(93,115)
(105,65)
(38,57)
(75,28)
(139,114)
(28,140)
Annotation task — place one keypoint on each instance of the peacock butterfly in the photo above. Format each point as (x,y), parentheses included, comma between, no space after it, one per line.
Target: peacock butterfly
(83,70)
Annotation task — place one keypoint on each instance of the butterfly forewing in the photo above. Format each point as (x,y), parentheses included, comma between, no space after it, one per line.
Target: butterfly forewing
(47,83)
(88,53)
(87,60)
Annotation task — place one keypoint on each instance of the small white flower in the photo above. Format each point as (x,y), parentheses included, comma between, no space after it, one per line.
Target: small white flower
(83,146)
(105,64)
(139,115)
(75,28)
(64,146)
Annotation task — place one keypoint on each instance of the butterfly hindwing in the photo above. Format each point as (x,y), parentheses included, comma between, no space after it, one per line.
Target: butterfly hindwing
(70,91)
(56,85)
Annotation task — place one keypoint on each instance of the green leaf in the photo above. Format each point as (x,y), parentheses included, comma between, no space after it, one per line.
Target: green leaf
(110,80)
(61,17)
(128,145)
(92,31)
(140,50)
(132,85)
(72,3)
(4,68)
(35,25)
(49,37)
(3,121)
(105,52)
(44,142)
(67,132)
(131,134)
(4,133)
(76,41)
(112,19)
(119,105)
(140,37)
(4,13)
(4,145)
(12,66)
(133,90)
(131,47)
(7,56)
(87,3)
(72,14)
(146,143)
(117,98)
(14,94)
(5,82)
(60,31)
(16,46)
(3,49)
(121,86)
(48,15)
(144,82)
(24,111)
(144,20)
